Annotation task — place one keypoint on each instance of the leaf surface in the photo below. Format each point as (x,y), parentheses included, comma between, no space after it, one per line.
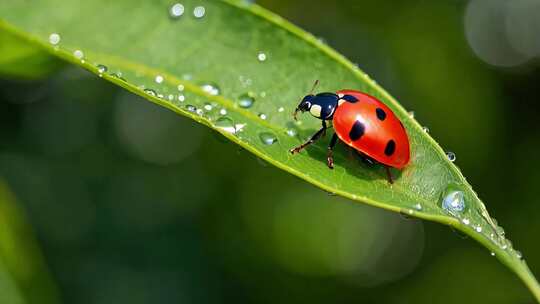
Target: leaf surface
(241,71)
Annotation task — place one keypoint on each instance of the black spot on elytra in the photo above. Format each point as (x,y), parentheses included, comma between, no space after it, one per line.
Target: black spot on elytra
(350,98)
(390,148)
(357,131)
(381,114)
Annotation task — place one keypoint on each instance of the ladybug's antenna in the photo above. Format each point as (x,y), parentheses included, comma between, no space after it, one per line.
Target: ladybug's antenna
(315,85)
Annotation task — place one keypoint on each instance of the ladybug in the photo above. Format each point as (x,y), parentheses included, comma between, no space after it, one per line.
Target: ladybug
(362,122)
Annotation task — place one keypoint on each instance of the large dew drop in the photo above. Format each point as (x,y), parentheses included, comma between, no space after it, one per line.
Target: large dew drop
(453,201)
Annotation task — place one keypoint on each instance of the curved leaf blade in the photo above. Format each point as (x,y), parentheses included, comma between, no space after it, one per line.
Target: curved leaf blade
(203,67)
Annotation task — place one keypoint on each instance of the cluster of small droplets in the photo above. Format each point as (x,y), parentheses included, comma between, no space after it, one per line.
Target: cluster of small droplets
(177,10)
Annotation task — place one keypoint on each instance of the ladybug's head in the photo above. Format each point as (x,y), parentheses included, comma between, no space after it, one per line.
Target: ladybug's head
(305,104)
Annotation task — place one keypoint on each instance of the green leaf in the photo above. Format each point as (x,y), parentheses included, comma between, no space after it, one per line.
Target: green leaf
(211,68)
(20,60)
(24,277)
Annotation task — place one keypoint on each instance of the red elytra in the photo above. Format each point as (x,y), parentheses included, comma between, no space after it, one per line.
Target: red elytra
(378,129)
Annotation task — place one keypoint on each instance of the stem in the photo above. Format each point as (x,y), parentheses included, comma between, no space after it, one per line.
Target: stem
(525,274)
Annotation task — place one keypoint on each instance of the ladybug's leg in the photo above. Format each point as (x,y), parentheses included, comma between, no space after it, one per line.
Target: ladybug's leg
(330,155)
(313,139)
(389,174)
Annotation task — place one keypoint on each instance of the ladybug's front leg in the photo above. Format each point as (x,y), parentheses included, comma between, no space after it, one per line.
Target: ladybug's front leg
(313,139)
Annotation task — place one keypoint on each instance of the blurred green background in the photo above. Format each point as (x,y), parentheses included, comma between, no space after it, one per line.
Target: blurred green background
(131,203)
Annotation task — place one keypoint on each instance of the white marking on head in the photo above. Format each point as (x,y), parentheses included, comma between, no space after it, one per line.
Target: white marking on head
(341,101)
(315,110)
(341,95)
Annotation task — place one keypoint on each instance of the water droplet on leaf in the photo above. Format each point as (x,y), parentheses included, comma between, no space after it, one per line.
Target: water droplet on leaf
(150,92)
(176,10)
(54,38)
(267,138)
(453,201)
(292,132)
(101,68)
(451,156)
(261,56)
(199,11)
(78,54)
(211,89)
(159,79)
(226,124)
(246,101)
